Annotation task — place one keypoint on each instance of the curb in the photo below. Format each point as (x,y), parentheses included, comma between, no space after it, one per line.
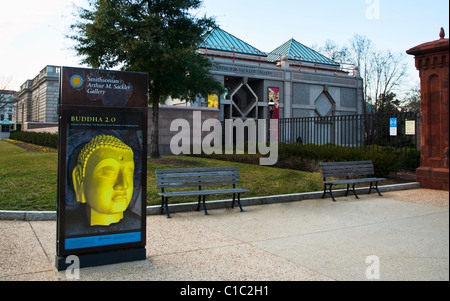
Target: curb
(184,207)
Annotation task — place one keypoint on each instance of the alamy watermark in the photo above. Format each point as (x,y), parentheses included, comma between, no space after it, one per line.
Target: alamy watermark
(261,136)
(73,270)
(373,9)
(373,269)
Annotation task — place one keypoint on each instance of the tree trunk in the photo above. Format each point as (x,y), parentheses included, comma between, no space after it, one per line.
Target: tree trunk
(154,141)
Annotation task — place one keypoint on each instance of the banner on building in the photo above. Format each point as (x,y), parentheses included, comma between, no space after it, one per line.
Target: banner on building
(213,101)
(274,97)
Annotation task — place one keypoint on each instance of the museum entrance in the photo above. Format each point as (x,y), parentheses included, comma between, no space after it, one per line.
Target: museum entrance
(244,99)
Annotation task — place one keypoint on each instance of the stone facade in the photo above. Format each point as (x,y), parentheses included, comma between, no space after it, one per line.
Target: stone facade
(304,91)
(37,100)
(167,114)
(432,61)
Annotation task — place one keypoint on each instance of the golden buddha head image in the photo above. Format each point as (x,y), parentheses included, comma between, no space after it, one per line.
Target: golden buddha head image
(103,179)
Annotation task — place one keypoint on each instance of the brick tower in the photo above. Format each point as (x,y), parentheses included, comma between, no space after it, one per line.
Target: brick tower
(432,60)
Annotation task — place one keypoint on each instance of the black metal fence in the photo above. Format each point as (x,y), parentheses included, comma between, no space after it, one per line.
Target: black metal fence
(393,132)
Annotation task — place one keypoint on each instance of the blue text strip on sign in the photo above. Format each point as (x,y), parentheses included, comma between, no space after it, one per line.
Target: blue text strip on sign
(102,240)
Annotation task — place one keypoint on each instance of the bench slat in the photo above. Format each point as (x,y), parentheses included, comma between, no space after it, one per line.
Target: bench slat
(343,163)
(194,170)
(351,181)
(193,184)
(197,178)
(203,192)
(198,173)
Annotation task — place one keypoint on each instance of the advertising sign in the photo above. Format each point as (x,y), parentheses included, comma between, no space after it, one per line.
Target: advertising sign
(274,97)
(393,126)
(102,165)
(410,127)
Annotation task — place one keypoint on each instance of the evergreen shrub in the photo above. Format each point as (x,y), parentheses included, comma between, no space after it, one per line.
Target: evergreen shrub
(37,138)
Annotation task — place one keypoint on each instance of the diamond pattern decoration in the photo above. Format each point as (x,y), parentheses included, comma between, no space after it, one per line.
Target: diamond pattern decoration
(323,105)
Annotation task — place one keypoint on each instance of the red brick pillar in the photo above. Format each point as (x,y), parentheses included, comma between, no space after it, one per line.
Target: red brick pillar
(432,60)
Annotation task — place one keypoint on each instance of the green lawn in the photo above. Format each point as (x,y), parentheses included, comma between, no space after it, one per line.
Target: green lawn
(28,180)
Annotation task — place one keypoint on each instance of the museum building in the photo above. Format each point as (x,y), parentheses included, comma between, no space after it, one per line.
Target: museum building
(301,81)
(296,80)
(37,100)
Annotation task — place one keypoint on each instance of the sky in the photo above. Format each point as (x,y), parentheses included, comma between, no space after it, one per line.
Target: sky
(33,33)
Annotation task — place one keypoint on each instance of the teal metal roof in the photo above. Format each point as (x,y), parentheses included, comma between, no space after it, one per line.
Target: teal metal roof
(296,51)
(6,122)
(221,40)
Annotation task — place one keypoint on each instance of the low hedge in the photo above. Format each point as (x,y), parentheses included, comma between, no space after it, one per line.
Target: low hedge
(38,138)
(306,157)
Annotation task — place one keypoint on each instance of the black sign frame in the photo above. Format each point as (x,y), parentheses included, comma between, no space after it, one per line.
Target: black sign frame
(95,104)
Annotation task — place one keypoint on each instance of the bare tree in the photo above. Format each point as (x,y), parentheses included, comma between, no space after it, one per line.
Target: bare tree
(382,71)
(339,54)
(388,72)
(411,103)
(361,50)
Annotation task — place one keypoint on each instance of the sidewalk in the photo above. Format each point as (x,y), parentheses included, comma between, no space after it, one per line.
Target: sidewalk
(308,240)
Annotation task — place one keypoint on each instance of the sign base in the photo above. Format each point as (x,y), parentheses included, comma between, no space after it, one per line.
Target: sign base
(102,258)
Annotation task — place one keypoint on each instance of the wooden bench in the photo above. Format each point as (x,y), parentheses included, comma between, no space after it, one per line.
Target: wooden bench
(348,173)
(224,180)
